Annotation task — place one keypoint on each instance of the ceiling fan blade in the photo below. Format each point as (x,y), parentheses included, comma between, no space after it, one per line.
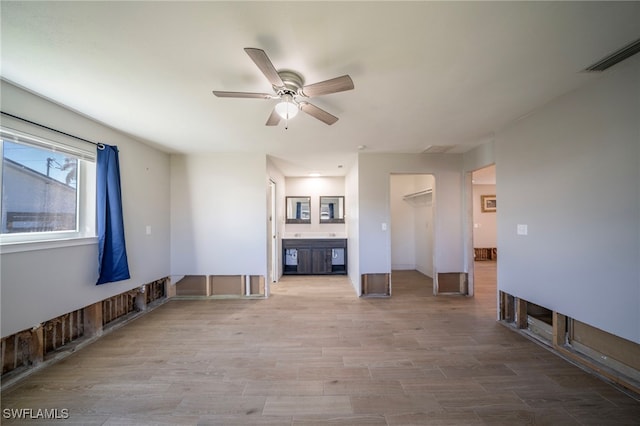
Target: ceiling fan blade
(274,118)
(338,84)
(264,63)
(318,113)
(242,95)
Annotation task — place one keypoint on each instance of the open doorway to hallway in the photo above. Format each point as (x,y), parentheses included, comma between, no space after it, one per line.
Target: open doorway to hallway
(485,250)
(411,199)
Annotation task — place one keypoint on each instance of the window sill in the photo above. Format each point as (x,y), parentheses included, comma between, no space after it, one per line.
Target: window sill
(46,245)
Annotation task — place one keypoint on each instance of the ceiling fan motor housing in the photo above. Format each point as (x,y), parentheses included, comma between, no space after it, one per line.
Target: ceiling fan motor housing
(293,83)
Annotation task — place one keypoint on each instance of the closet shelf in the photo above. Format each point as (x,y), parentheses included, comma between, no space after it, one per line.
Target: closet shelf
(418,194)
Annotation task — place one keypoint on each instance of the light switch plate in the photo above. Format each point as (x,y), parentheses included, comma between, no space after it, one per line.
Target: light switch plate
(522,229)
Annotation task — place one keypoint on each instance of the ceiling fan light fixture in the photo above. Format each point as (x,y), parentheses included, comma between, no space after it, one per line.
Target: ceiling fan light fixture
(288,108)
(289,86)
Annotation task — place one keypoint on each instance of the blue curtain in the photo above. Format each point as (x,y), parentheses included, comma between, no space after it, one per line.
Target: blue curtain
(331,216)
(112,253)
(298,210)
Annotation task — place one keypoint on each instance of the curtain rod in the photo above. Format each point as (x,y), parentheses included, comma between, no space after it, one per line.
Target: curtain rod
(99,145)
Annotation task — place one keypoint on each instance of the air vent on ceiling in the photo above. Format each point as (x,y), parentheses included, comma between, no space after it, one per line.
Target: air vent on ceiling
(437,149)
(616,57)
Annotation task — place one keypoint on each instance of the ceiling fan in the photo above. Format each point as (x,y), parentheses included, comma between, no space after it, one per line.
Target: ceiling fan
(289,87)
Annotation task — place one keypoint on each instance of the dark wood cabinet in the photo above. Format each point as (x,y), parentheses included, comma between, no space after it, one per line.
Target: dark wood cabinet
(321,261)
(314,256)
(305,265)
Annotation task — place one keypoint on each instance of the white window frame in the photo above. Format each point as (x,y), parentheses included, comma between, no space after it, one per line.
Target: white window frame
(85,232)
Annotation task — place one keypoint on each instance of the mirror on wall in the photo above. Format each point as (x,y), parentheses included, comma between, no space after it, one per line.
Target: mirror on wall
(298,210)
(332,209)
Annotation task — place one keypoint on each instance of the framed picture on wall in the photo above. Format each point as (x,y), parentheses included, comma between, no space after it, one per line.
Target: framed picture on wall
(488,203)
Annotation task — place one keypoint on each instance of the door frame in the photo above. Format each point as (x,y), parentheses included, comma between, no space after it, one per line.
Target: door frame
(433,228)
(470,204)
(470,257)
(272,234)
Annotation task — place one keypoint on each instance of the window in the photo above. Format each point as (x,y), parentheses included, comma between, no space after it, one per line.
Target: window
(48,188)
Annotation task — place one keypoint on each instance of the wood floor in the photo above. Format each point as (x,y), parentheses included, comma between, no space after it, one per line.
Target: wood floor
(313,353)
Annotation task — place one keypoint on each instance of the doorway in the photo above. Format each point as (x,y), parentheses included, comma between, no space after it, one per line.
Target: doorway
(272,235)
(484,233)
(412,235)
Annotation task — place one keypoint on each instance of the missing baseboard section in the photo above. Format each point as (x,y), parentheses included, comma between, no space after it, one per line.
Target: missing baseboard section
(377,285)
(220,286)
(192,285)
(605,347)
(453,283)
(226,285)
(30,350)
(610,357)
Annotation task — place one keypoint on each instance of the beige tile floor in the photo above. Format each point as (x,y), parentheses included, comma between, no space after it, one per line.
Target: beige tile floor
(313,353)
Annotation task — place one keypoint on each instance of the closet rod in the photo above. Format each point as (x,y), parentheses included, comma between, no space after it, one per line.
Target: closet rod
(99,145)
(419,193)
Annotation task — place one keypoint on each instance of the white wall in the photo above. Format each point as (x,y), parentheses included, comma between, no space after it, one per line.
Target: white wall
(315,187)
(36,286)
(479,157)
(484,223)
(571,172)
(374,205)
(218,214)
(352,221)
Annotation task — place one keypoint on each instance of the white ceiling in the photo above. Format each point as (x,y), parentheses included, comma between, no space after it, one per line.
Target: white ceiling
(425,73)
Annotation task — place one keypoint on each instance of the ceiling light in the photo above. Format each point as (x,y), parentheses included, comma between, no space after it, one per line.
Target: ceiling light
(287,108)
(315,174)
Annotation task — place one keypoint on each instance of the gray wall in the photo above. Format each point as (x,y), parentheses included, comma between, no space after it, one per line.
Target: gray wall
(571,172)
(374,172)
(315,187)
(352,219)
(219,214)
(42,284)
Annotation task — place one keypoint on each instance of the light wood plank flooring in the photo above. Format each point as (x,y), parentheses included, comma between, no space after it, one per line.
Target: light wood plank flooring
(312,354)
